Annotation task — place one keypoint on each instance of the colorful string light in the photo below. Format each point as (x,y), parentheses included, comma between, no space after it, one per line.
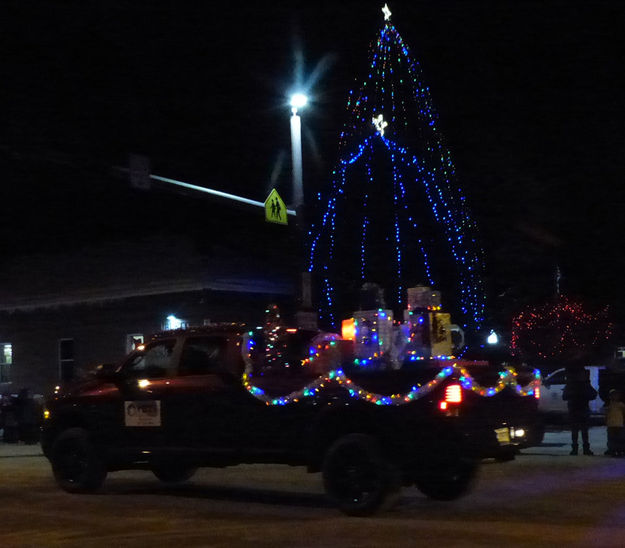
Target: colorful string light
(394,106)
(507,377)
(326,345)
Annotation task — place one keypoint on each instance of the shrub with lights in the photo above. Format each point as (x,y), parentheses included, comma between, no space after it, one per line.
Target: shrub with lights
(563,331)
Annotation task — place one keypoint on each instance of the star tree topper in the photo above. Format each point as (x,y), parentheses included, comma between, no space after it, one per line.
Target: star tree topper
(379,123)
(386,12)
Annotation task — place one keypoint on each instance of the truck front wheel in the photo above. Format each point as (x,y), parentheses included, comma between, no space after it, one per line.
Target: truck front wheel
(76,465)
(358,478)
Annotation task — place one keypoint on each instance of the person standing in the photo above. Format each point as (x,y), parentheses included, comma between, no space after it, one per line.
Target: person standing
(27,417)
(614,421)
(9,414)
(577,393)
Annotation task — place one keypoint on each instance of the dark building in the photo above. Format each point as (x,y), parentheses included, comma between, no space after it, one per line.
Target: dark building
(86,279)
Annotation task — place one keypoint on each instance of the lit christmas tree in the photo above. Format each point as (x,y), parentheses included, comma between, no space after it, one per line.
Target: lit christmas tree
(394,214)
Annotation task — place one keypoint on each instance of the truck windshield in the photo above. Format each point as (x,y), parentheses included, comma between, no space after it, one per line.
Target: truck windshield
(153,362)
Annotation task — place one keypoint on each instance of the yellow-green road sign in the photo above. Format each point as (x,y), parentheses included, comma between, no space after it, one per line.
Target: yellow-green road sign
(275,210)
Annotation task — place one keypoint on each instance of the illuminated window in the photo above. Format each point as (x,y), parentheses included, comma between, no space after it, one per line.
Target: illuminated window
(6,359)
(133,340)
(66,359)
(172,323)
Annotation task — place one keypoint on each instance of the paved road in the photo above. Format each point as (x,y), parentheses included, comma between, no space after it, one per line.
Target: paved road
(543,498)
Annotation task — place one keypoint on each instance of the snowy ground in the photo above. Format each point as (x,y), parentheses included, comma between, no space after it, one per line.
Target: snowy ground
(543,498)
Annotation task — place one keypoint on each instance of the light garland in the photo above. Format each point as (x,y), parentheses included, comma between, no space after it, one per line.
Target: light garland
(423,175)
(507,377)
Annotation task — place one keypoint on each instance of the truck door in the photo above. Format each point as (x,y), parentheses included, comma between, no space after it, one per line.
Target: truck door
(144,389)
(206,396)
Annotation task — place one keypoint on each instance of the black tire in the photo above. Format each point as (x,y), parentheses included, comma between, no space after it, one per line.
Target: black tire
(173,473)
(358,478)
(76,465)
(506,456)
(448,479)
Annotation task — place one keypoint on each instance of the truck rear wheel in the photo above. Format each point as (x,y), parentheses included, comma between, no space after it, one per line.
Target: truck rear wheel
(76,465)
(173,473)
(358,478)
(448,479)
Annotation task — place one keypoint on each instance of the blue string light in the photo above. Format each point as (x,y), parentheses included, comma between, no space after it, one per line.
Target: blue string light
(421,165)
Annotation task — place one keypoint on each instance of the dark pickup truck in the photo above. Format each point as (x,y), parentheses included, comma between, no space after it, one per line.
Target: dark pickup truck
(192,398)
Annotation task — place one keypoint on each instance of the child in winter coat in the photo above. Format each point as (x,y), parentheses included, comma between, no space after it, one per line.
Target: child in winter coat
(615,420)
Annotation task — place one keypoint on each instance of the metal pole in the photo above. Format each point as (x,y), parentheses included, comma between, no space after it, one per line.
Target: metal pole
(296,157)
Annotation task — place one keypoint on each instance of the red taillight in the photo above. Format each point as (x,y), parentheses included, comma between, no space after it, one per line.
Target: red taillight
(453,393)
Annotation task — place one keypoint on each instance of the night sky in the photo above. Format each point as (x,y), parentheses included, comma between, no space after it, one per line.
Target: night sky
(527,93)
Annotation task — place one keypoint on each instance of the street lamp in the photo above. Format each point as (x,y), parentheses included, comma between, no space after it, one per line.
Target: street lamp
(298,100)
(305,317)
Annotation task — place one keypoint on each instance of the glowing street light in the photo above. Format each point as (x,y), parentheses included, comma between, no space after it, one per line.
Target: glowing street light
(298,100)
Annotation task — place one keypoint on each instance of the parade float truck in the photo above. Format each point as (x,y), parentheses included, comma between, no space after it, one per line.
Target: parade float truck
(370,413)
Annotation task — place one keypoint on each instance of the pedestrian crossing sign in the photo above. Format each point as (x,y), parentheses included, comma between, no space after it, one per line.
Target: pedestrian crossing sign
(275,210)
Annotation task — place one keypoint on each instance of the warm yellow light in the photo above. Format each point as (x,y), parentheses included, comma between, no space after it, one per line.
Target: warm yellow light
(46,414)
(143,383)
(348,329)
